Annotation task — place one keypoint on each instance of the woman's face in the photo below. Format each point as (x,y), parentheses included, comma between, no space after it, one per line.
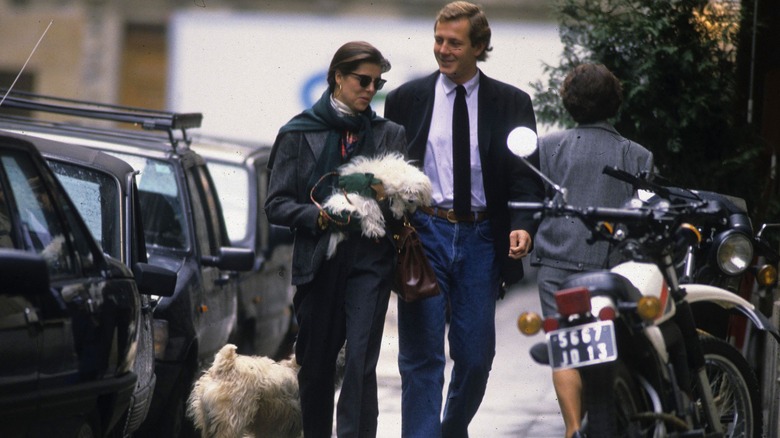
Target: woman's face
(349,91)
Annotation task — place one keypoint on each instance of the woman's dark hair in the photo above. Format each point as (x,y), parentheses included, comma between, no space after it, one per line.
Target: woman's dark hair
(591,93)
(478,24)
(349,57)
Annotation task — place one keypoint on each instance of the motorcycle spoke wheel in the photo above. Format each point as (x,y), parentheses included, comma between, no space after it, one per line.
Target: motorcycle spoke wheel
(734,389)
(614,412)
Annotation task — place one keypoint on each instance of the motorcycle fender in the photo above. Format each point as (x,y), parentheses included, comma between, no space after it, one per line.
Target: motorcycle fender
(650,282)
(703,293)
(653,333)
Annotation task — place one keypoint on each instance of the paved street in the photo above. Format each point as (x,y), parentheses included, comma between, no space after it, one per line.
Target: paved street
(520,400)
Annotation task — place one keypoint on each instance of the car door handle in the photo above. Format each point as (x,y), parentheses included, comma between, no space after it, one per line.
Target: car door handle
(24,318)
(222,279)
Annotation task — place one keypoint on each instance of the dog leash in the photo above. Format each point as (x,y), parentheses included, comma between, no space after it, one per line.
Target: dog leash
(322,210)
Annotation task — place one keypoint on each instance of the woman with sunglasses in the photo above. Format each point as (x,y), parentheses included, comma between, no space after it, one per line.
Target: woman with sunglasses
(344,298)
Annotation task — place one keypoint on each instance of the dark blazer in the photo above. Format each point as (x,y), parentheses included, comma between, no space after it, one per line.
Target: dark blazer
(502,107)
(292,163)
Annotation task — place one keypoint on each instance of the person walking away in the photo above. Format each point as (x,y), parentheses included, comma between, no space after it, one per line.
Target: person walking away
(457,120)
(574,159)
(343,298)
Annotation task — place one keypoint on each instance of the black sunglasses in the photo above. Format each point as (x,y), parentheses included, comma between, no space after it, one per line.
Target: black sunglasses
(365,80)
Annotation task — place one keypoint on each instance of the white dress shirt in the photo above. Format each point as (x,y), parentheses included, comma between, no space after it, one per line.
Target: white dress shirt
(438,150)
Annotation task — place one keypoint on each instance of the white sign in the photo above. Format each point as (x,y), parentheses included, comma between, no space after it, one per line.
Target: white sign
(249,73)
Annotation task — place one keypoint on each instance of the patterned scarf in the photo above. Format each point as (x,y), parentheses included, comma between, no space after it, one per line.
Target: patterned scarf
(341,129)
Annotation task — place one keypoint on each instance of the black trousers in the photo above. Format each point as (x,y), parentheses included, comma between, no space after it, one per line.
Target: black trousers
(346,301)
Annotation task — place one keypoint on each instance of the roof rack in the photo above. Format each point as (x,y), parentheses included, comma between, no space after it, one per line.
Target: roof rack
(145,118)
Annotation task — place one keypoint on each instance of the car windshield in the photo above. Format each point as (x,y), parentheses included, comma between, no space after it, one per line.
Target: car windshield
(232,183)
(98,200)
(164,224)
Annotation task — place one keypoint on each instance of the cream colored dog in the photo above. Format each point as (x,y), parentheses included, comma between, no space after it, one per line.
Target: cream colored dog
(405,186)
(250,396)
(247,396)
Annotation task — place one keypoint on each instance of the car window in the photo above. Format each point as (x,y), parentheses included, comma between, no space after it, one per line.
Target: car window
(41,229)
(205,209)
(161,202)
(96,196)
(6,237)
(232,182)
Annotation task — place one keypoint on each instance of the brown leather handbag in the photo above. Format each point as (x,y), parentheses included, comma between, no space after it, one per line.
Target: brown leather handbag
(414,276)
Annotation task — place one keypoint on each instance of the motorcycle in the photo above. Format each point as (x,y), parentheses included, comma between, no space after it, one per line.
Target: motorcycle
(647,370)
(733,256)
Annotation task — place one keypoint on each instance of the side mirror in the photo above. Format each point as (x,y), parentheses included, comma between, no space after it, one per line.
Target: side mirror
(523,142)
(22,272)
(154,280)
(231,259)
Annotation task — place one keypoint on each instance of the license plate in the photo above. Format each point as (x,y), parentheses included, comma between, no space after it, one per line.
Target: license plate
(582,345)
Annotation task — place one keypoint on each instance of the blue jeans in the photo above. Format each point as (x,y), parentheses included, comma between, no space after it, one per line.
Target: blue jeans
(463,257)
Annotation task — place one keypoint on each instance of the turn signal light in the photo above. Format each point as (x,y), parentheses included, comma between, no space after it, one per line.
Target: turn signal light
(649,308)
(529,323)
(767,275)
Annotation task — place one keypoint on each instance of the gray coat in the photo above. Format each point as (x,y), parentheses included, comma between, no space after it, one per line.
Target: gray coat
(288,202)
(574,159)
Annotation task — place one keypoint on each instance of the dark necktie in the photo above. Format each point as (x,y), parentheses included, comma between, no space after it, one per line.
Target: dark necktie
(461,154)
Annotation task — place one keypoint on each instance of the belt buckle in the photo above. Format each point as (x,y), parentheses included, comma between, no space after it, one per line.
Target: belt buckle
(451,216)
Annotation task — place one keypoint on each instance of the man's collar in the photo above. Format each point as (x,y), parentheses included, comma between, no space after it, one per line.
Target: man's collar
(449,85)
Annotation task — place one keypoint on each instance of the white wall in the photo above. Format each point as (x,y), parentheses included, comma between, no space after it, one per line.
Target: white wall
(249,73)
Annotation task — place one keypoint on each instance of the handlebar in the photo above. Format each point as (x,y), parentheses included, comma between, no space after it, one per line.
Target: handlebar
(591,213)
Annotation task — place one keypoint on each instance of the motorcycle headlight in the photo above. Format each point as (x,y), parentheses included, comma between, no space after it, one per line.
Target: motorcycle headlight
(734,252)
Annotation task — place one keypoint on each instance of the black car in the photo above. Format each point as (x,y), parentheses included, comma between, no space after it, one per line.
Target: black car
(266,323)
(103,189)
(184,231)
(68,313)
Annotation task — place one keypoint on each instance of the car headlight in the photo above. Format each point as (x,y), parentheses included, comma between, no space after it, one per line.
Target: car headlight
(734,252)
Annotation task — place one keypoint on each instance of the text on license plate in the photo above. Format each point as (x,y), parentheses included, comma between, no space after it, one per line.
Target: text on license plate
(582,345)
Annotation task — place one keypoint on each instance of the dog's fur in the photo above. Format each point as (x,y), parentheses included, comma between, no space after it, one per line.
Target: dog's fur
(405,186)
(246,395)
(250,396)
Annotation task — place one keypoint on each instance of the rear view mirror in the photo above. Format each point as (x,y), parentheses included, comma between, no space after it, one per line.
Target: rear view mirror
(154,280)
(231,259)
(522,141)
(23,272)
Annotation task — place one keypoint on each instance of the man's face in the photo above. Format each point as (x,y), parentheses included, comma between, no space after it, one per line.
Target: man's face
(452,47)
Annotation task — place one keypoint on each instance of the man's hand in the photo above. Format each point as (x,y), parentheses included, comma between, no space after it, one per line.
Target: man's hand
(519,244)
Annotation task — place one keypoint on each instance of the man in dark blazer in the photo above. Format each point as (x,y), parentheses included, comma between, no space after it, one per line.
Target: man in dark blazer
(477,253)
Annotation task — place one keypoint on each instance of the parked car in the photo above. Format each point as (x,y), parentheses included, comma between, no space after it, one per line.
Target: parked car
(184,231)
(104,191)
(68,313)
(266,324)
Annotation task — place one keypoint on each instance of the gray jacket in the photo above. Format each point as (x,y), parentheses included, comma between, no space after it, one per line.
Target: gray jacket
(288,202)
(574,159)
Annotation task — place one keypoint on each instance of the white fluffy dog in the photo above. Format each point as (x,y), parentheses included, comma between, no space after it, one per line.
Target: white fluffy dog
(246,396)
(250,396)
(405,186)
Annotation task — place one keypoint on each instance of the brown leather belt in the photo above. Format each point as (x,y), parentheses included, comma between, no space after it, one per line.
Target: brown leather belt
(476,216)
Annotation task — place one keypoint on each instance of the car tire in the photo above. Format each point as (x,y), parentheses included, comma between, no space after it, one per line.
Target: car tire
(89,428)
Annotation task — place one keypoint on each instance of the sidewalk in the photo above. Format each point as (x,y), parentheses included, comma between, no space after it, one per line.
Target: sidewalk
(519,401)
